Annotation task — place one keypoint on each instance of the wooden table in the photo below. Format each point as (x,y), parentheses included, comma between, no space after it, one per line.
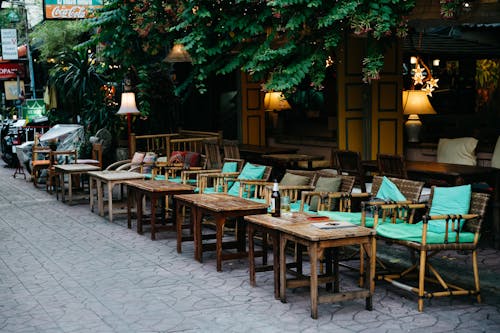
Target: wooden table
(446,174)
(221,207)
(110,178)
(71,169)
(297,228)
(154,189)
(292,160)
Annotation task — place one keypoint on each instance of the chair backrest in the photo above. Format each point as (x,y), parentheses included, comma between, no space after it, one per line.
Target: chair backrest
(411,189)
(212,155)
(231,149)
(478,205)
(347,183)
(392,166)
(63,157)
(349,162)
(97,153)
(239,162)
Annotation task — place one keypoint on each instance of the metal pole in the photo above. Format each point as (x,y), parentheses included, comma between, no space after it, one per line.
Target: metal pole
(28,53)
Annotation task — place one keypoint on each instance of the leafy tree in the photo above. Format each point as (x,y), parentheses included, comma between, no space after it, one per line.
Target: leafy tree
(283,41)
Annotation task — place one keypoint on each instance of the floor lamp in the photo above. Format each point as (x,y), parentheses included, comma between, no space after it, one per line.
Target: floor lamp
(128,107)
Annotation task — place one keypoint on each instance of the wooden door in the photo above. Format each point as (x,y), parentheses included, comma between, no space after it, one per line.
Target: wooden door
(253,121)
(369,115)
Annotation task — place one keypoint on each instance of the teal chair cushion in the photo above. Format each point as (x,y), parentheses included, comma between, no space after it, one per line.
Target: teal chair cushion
(230,167)
(249,172)
(449,200)
(413,232)
(325,184)
(388,191)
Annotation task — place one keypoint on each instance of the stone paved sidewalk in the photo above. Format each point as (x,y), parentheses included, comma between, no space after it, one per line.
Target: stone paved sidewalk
(65,269)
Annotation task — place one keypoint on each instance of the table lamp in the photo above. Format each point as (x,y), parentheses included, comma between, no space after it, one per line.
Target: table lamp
(128,107)
(415,102)
(275,101)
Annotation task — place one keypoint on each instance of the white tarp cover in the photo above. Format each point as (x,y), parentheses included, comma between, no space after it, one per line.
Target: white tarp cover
(68,136)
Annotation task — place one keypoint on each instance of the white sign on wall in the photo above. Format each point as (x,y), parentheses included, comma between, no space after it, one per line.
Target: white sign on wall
(9,44)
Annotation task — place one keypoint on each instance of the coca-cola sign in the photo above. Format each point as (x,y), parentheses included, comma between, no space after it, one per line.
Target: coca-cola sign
(70,9)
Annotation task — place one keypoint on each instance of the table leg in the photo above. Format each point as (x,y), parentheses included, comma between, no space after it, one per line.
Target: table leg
(282,269)
(70,188)
(371,270)
(153,216)
(313,258)
(276,263)
(138,200)
(251,254)
(129,208)
(61,185)
(336,283)
(110,201)
(198,243)
(100,198)
(91,193)
(178,225)
(220,221)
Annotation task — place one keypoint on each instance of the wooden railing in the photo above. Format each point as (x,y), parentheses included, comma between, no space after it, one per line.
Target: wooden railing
(165,144)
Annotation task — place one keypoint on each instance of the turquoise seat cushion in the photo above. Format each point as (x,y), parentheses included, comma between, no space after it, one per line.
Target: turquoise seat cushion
(249,172)
(352,217)
(388,191)
(175,180)
(449,200)
(230,167)
(325,184)
(413,232)
(290,179)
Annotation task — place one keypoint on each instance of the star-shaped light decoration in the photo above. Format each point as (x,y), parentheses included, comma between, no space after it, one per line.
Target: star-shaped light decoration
(418,78)
(433,82)
(428,89)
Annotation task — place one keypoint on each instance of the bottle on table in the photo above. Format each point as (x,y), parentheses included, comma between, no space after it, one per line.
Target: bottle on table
(275,200)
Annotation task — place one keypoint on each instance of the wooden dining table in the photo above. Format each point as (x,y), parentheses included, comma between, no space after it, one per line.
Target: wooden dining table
(447,174)
(220,207)
(317,237)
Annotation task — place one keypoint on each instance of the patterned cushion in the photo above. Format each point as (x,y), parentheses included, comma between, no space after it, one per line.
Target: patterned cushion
(138,157)
(185,157)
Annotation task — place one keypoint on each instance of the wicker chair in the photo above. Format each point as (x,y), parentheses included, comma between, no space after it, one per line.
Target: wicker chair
(427,246)
(392,166)
(349,162)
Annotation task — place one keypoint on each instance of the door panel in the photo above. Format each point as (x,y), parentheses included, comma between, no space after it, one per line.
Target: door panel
(253,122)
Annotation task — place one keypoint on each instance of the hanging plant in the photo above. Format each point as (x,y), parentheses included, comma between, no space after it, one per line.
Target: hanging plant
(450,8)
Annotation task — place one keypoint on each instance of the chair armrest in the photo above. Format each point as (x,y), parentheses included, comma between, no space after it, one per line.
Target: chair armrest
(257,189)
(113,166)
(404,210)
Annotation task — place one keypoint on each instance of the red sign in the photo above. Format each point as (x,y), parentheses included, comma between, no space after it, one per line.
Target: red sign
(9,70)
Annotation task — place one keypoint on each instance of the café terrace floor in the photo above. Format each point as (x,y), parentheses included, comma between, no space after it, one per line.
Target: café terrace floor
(65,269)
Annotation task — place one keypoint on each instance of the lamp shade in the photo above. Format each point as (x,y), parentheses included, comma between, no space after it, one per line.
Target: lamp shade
(178,54)
(416,102)
(275,101)
(128,105)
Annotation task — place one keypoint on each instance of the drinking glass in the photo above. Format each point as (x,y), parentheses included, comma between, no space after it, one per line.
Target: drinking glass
(285,204)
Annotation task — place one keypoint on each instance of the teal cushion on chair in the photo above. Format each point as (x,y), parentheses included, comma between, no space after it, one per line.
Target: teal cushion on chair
(389,191)
(413,232)
(249,172)
(449,200)
(230,167)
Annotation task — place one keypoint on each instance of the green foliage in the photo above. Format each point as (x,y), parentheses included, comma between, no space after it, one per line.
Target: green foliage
(487,73)
(54,37)
(283,41)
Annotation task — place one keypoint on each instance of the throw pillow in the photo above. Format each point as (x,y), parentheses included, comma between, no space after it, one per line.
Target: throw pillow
(325,184)
(249,172)
(176,157)
(192,158)
(457,151)
(449,200)
(148,162)
(138,157)
(388,191)
(495,159)
(290,179)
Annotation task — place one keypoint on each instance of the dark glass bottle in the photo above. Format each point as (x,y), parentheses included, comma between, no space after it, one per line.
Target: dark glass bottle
(275,200)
